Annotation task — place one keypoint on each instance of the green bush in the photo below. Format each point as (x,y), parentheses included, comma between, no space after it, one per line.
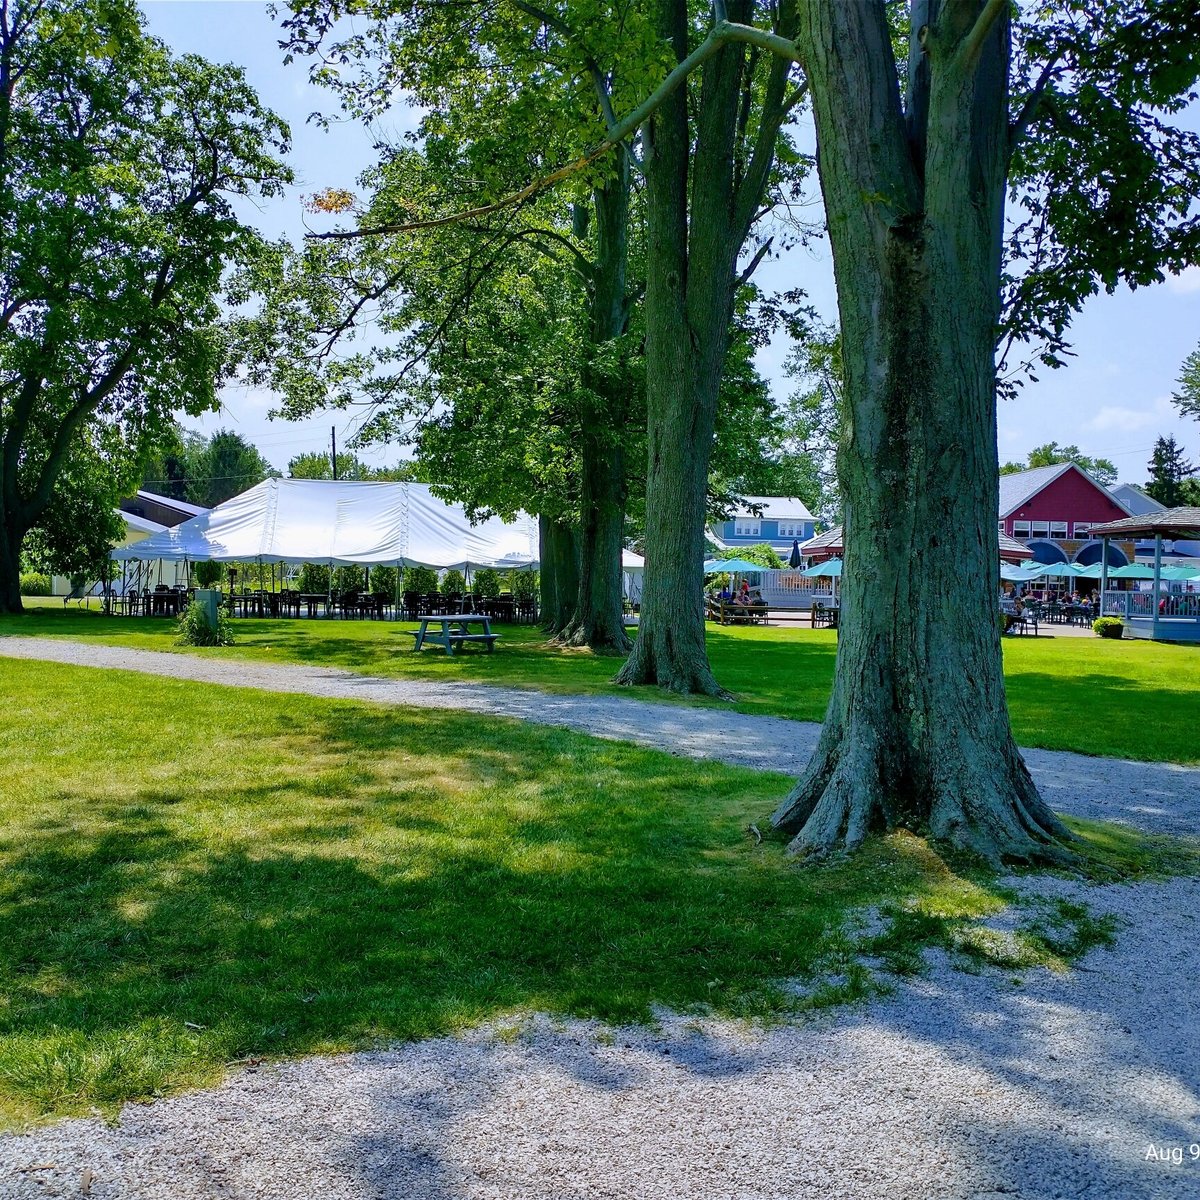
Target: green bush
(383,581)
(348,580)
(420,579)
(763,554)
(208,574)
(313,579)
(1109,627)
(524,584)
(453,582)
(194,630)
(487,583)
(34,583)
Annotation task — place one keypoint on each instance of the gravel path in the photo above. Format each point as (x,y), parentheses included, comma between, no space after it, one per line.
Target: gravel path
(1151,796)
(972,1087)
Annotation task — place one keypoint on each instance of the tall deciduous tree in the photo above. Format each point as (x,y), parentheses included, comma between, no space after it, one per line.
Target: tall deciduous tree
(1103,470)
(709,158)
(506,89)
(914,168)
(117,168)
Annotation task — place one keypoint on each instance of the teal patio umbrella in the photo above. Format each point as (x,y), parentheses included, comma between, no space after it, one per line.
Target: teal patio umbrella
(1179,574)
(826,570)
(732,566)
(1132,571)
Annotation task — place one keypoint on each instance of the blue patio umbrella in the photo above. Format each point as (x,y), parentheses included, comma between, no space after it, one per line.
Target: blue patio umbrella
(795,559)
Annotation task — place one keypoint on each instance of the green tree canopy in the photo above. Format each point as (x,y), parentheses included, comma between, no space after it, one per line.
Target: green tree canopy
(1101,469)
(119,166)
(1170,474)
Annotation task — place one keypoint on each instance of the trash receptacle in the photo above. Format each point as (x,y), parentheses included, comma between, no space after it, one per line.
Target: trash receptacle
(209,599)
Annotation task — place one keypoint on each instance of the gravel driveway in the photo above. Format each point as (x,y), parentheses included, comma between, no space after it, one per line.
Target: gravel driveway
(958,1085)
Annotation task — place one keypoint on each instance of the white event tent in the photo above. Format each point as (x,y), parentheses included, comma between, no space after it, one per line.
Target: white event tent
(342,522)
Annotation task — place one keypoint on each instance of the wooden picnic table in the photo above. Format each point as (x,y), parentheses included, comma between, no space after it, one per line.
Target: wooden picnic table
(449,631)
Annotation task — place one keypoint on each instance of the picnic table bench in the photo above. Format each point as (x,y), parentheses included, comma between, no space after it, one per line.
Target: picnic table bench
(453,631)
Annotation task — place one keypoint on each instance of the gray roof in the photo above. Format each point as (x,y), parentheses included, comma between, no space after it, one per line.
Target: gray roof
(775,508)
(171,502)
(1172,523)
(1134,500)
(832,540)
(1015,489)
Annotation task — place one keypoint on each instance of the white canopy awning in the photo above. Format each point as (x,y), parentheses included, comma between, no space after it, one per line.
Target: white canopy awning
(343,522)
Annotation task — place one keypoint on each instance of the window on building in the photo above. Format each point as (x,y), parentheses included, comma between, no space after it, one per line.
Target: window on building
(744,527)
(1020,529)
(1039,529)
(1000,526)
(1083,530)
(792,529)
(1058,530)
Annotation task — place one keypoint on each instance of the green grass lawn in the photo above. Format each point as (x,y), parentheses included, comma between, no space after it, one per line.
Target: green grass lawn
(1127,699)
(191,876)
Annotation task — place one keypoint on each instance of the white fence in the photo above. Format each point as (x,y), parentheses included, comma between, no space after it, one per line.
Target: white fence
(790,589)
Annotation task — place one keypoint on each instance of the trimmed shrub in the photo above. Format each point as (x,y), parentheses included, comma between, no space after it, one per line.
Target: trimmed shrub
(34,583)
(383,582)
(1109,627)
(194,630)
(313,579)
(524,584)
(420,579)
(206,574)
(348,580)
(453,583)
(487,583)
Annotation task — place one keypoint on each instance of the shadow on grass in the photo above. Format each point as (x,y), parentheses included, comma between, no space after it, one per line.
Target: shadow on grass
(370,879)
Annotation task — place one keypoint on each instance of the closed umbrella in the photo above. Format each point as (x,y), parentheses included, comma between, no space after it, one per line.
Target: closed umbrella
(795,560)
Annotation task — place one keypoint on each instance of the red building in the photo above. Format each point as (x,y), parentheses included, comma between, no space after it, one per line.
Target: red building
(1053,509)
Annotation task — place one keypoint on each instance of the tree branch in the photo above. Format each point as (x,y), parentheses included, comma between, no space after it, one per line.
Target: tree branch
(722,35)
(1019,127)
(970,47)
(752,266)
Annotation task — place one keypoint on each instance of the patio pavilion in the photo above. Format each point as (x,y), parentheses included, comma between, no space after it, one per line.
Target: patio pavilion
(1163,616)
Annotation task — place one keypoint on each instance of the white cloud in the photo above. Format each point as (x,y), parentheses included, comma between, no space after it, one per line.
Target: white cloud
(1186,282)
(1118,418)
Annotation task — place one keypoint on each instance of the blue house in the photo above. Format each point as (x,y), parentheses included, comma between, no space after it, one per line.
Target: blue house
(780,521)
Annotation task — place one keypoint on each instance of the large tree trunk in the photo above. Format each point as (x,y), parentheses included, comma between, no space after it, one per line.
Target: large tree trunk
(599,611)
(917,733)
(558,573)
(694,236)
(10,571)
(598,620)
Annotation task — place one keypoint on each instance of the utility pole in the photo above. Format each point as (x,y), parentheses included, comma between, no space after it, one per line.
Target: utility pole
(333,448)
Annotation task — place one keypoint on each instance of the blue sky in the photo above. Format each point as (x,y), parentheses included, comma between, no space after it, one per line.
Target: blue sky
(1112,401)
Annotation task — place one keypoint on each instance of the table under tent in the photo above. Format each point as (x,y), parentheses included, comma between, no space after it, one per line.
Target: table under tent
(282,524)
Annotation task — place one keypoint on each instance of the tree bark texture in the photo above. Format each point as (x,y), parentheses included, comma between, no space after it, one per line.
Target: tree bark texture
(598,619)
(559,573)
(702,195)
(917,733)
(10,571)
